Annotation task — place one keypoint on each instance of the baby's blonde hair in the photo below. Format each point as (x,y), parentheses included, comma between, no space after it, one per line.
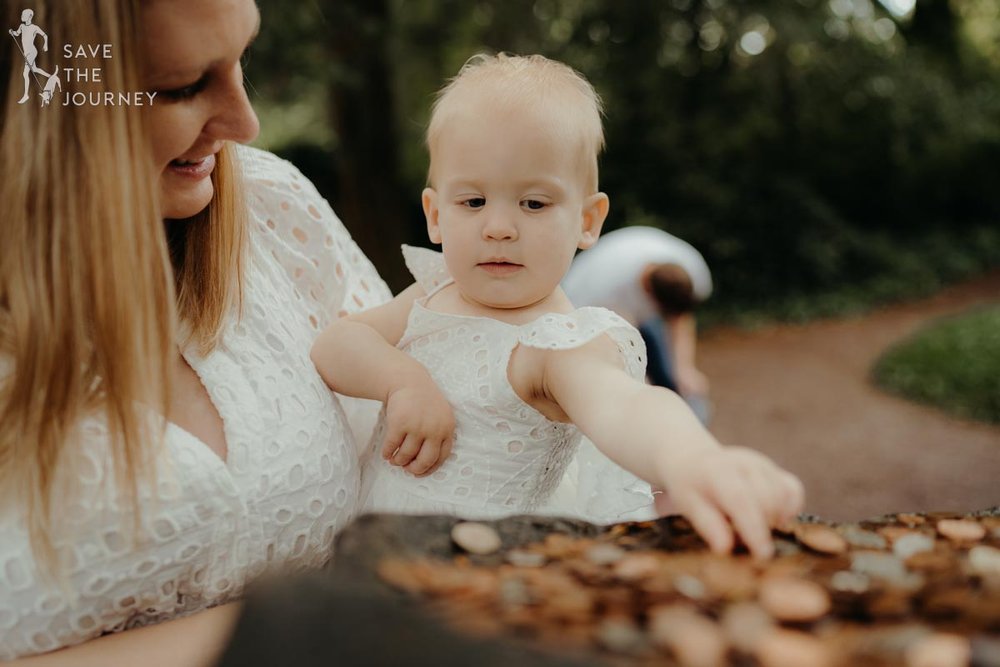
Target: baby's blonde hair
(517,83)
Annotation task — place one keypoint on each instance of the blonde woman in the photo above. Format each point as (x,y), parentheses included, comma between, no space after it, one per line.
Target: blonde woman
(164,437)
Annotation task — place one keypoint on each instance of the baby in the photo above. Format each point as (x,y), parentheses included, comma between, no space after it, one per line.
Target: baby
(487,373)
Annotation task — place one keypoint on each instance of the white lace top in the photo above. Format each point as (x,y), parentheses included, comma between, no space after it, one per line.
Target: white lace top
(508,458)
(291,477)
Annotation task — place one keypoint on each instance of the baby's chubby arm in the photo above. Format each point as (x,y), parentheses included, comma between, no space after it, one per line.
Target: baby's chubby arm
(357,356)
(651,432)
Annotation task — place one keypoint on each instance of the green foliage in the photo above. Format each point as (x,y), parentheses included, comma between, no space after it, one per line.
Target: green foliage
(822,154)
(954,364)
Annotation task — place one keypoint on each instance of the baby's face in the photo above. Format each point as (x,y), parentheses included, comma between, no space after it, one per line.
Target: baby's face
(510,207)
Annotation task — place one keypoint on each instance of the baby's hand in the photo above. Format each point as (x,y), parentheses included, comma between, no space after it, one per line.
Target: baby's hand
(420,425)
(734,488)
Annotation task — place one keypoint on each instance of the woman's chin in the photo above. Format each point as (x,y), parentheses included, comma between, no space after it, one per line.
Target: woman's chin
(181,203)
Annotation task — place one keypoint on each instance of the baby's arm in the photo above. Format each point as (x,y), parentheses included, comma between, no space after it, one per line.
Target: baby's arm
(651,432)
(356,356)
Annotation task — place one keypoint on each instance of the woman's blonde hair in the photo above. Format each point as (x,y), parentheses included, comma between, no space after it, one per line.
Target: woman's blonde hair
(519,85)
(89,299)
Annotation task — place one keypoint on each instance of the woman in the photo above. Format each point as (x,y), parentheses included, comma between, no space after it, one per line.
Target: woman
(164,437)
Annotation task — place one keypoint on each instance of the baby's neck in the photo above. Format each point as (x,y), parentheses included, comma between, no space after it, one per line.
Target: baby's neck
(452,300)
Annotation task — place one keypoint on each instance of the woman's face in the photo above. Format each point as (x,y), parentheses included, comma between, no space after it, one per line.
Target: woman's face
(191,59)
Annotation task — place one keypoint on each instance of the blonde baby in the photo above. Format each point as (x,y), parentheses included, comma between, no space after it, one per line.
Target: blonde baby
(488,374)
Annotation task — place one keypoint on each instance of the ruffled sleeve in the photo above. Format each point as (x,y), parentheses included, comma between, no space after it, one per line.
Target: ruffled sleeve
(564,331)
(308,239)
(427,266)
(594,487)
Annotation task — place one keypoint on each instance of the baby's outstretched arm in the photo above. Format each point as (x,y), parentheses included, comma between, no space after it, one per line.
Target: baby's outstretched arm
(356,356)
(651,432)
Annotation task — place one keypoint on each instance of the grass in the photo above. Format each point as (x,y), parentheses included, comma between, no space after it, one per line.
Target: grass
(953,364)
(897,270)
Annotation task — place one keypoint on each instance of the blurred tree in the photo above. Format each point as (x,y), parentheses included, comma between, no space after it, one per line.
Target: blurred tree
(934,28)
(363,112)
(804,145)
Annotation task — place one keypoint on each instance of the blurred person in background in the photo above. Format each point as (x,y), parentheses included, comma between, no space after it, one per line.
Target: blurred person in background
(655,281)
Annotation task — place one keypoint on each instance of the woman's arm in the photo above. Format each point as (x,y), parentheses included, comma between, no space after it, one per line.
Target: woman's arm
(652,433)
(193,641)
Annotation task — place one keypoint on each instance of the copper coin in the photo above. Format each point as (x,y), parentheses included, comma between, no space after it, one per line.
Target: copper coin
(787,648)
(961,530)
(821,538)
(695,640)
(939,650)
(745,624)
(635,566)
(794,600)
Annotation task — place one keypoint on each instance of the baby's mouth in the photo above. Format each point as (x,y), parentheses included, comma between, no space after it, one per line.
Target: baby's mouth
(500,267)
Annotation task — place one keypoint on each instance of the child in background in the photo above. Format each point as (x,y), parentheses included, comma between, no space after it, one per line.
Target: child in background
(487,372)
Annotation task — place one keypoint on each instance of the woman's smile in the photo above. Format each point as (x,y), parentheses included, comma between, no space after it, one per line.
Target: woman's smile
(194,169)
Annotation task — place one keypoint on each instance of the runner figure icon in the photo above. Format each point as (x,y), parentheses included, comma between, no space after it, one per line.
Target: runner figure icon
(28,32)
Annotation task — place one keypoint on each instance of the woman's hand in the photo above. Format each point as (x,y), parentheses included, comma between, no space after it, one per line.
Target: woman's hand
(193,641)
(733,489)
(420,426)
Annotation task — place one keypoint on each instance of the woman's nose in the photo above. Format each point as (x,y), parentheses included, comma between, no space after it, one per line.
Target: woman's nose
(235,119)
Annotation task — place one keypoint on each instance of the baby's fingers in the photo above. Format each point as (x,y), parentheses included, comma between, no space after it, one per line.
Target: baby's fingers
(407,451)
(710,524)
(749,519)
(443,452)
(426,460)
(393,440)
(794,496)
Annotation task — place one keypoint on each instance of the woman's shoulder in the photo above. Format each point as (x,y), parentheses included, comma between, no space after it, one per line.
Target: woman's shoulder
(300,230)
(279,188)
(264,168)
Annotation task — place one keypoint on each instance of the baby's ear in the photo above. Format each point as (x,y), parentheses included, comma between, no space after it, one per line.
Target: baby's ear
(595,211)
(429,198)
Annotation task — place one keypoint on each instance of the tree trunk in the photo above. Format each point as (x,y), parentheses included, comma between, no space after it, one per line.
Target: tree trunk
(371,201)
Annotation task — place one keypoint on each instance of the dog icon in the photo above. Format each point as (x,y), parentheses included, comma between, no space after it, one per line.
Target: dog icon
(50,87)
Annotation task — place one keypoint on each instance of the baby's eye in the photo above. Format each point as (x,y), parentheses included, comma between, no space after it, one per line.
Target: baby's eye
(475,202)
(533,204)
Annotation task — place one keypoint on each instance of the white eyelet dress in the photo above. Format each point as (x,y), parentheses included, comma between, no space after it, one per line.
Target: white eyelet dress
(507,458)
(291,477)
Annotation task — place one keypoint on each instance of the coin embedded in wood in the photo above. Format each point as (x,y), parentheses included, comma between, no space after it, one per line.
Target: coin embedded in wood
(694,640)
(794,600)
(787,648)
(821,538)
(961,530)
(635,588)
(939,650)
(476,538)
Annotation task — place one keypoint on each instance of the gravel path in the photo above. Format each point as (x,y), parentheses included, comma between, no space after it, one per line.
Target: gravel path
(801,394)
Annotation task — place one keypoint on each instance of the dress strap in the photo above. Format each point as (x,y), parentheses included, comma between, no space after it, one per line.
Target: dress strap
(564,331)
(426,266)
